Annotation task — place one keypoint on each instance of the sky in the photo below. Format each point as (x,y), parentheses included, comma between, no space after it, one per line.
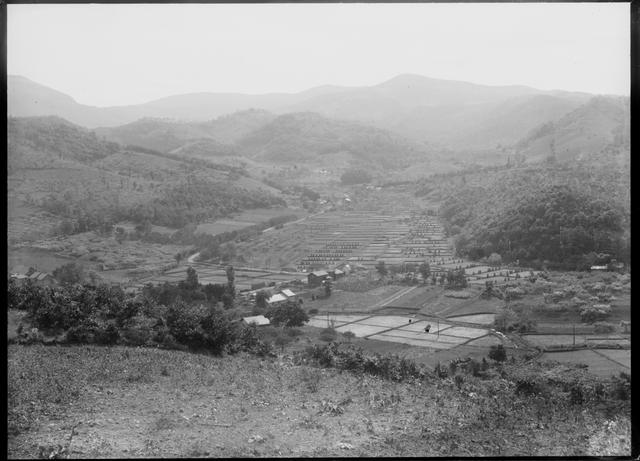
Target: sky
(121,54)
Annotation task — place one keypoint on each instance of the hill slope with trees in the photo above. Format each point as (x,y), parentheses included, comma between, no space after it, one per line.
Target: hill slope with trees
(561,216)
(71,173)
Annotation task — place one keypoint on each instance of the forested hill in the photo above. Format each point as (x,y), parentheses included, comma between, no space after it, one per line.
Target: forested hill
(41,142)
(600,126)
(70,172)
(306,135)
(565,215)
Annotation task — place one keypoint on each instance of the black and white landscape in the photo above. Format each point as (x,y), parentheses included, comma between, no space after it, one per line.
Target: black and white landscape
(405,232)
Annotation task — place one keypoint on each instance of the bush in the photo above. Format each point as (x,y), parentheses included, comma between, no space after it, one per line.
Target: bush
(184,324)
(529,386)
(328,334)
(498,353)
(218,331)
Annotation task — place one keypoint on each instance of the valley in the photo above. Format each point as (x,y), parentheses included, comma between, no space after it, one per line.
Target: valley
(437,241)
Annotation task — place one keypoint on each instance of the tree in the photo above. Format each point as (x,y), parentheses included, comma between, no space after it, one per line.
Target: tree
(498,353)
(349,335)
(261,299)
(288,314)
(382,268)
(425,271)
(327,287)
(69,274)
(214,291)
(494,260)
(231,289)
(178,257)
(191,283)
(227,301)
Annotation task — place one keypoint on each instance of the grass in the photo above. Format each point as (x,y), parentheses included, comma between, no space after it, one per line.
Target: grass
(145,402)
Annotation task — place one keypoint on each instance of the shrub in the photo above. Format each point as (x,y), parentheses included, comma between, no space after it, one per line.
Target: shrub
(184,324)
(293,332)
(576,395)
(328,334)
(349,335)
(313,311)
(218,331)
(498,353)
(622,386)
(529,386)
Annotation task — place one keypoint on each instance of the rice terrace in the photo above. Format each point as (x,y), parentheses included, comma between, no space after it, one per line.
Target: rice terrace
(210,257)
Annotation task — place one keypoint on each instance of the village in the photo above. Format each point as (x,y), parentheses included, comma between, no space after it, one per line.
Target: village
(388,280)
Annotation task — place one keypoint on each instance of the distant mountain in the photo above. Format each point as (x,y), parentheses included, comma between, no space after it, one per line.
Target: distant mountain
(602,124)
(168,135)
(452,113)
(27,98)
(306,136)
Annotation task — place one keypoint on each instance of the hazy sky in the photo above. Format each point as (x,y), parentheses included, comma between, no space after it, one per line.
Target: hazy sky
(126,54)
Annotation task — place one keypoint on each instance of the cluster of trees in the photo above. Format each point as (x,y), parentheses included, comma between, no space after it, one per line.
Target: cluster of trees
(172,317)
(539,220)
(192,291)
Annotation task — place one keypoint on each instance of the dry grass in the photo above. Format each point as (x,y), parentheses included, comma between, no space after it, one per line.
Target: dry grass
(143,402)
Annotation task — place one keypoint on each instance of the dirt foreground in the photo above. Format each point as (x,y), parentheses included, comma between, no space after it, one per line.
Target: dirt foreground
(88,401)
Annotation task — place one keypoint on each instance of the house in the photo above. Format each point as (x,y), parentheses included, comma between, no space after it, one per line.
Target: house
(257,320)
(42,278)
(276,299)
(289,294)
(315,278)
(336,273)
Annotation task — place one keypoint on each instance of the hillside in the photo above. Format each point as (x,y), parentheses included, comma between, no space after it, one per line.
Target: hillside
(71,173)
(302,137)
(205,148)
(142,402)
(560,213)
(42,142)
(601,123)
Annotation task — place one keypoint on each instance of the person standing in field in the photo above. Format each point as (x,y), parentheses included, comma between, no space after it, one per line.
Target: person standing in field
(427,328)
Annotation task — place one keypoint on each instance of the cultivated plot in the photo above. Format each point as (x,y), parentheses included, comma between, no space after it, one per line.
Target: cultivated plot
(598,364)
(480,319)
(389,321)
(466,332)
(361,330)
(421,324)
(485,341)
(322,322)
(414,342)
(623,357)
(555,340)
